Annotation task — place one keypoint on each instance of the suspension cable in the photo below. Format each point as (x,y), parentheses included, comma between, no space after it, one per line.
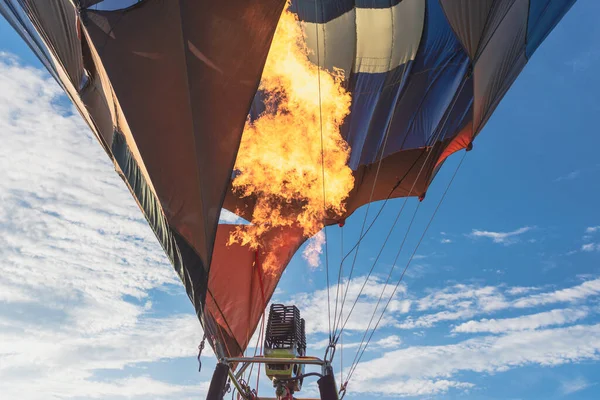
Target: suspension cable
(387,281)
(386,284)
(342,339)
(323,171)
(385,243)
(364,234)
(357,246)
(433,140)
(355,364)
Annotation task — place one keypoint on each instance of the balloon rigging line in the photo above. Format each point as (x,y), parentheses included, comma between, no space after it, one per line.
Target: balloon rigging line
(323,173)
(335,315)
(377,258)
(436,137)
(381,208)
(357,246)
(259,340)
(362,341)
(398,215)
(226,323)
(353,367)
(363,235)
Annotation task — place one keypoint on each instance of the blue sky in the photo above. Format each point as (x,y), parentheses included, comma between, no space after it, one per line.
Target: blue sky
(501,301)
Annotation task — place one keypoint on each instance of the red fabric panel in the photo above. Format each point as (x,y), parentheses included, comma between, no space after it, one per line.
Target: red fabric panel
(235,299)
(459,142)
(234,278)
(404,165)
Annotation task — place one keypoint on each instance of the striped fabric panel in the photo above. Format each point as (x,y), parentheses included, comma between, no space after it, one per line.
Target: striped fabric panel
(408,63)
(403,65)
(370,40)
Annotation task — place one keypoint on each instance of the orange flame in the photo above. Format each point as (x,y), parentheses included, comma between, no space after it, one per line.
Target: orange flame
(280,160)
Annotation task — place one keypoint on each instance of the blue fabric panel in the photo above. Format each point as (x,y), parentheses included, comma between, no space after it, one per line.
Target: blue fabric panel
(376,3)
(436,74)
(356,130)
(411,100)
(326,10)
(543,17)
(374,98)
(460,114)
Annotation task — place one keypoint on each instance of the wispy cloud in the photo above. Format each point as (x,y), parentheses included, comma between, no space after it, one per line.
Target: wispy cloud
(592,229)
(589,247)
(313,312)
(500,237)
(584,60)
(74,246)
(488,354)
(524,322)
(313,250)
(518,290)
(575,385)
(569,177)
(461,302)
(569,295)
(385,343)
(460,295)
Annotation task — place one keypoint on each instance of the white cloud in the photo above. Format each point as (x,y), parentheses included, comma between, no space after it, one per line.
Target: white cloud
(500,237)
(410,387)
(589,247)
(584,60)
(74,246)
(568,295)
(460,301)
(446,241)
(524,322)
(575,385)
(488,354)
(519,290)
(461,296)
(429,320)
(387,342)
(313,305)
(314,248)
(592,229)
(68,384)
(569,177)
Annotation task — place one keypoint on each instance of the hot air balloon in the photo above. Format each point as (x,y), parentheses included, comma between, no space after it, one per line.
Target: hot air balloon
(168,88)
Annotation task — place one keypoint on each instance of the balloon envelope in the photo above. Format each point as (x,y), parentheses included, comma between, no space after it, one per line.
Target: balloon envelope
(166,87)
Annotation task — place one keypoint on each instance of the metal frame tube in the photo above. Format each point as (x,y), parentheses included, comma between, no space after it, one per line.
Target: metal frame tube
(238,386)
(243,368)
(266,360)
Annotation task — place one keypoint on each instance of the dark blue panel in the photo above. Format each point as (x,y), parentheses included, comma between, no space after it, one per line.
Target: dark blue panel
(411,101)
(376,3)
(374,98)
(436,75)
(366,89)
(460,114)
(325,10)
(543,17)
